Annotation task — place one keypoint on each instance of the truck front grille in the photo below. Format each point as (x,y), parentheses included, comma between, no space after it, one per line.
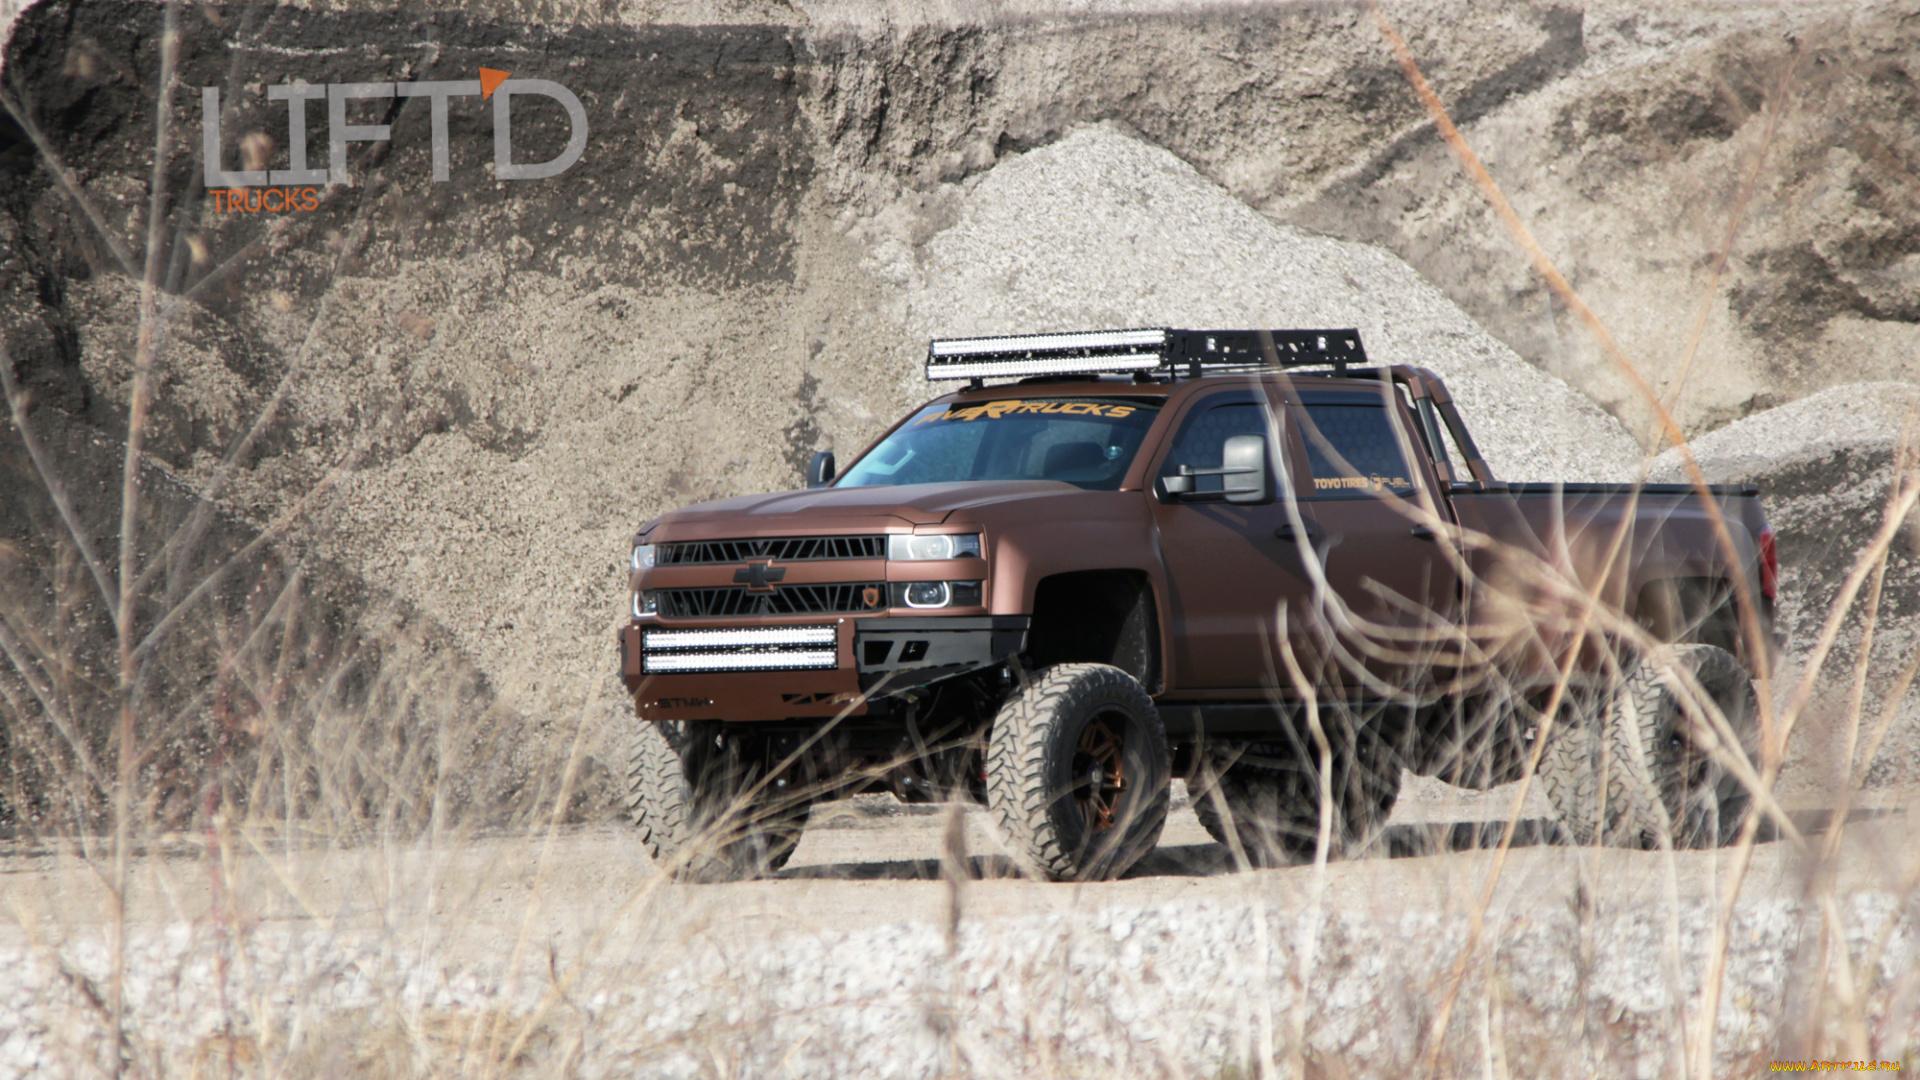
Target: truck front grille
(773,648)
(848,598)
(778,548)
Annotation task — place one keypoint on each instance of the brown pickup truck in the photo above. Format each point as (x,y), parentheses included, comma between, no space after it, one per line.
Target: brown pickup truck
(1241,558)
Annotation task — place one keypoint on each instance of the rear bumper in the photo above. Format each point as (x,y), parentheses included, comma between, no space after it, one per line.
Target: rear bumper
(745,674)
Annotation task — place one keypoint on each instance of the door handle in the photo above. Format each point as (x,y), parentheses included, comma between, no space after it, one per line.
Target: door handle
(1421,532)
(1287,532)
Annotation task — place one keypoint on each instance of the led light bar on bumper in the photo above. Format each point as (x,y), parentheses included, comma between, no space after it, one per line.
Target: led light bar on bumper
(780,648)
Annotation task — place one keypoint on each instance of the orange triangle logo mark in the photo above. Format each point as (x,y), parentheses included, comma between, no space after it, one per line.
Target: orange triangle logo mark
(490,81)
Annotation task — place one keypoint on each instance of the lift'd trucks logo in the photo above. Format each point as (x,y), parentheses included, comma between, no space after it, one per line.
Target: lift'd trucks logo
(296,186)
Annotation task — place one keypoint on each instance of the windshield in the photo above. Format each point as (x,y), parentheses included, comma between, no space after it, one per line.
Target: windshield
(1087,442)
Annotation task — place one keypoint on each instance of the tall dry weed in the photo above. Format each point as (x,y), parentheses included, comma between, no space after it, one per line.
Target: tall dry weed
(197,737)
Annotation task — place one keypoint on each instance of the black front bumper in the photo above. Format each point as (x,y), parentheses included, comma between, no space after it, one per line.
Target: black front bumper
(913,652)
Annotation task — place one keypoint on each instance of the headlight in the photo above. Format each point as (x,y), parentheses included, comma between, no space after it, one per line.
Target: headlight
(643,556)
(643,604)
(936,594)
(928,594)
(902,547)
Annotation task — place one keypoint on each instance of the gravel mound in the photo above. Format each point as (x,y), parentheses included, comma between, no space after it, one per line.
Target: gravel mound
(1103,230)
(1860,420)
(1826,466)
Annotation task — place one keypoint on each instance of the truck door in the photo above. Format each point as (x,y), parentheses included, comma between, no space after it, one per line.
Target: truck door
(1364,477)
(1229,567)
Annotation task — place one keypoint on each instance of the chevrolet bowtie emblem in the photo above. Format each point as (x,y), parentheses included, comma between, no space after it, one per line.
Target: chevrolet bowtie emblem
(759,576)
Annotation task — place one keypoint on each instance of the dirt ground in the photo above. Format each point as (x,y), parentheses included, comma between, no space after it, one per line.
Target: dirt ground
(871,861)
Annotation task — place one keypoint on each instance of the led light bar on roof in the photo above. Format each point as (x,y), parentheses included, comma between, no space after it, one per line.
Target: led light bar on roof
(1046,354)
(1156,340)
(1060,365)
(1170,352)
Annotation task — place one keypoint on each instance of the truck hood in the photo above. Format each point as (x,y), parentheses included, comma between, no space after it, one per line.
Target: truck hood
(855,509)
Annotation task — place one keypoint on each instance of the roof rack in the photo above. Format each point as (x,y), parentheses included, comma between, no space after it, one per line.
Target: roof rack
(1159,351)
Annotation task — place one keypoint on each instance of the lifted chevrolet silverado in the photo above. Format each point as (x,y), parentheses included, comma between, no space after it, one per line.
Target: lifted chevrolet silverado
(1242,558)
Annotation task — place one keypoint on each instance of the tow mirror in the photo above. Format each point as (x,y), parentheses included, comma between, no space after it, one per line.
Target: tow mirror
(1242,472)
(820,470)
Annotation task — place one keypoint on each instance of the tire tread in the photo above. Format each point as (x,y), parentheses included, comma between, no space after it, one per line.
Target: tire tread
(1023,753)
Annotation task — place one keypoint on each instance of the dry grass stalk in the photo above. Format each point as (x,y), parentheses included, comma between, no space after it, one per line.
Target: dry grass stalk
(304,781)
(1701,1053)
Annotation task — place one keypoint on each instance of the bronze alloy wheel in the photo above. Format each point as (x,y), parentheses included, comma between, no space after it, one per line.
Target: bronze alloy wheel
(1077,773)
(1099,759)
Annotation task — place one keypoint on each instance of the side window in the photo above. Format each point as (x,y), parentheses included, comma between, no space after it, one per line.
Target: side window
(1203,436)
(1353,453)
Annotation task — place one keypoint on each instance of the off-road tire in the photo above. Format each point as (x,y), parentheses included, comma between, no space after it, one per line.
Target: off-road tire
(1599,792)
(698,811)
(1641,763)
(1034,794)
(1262,800)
